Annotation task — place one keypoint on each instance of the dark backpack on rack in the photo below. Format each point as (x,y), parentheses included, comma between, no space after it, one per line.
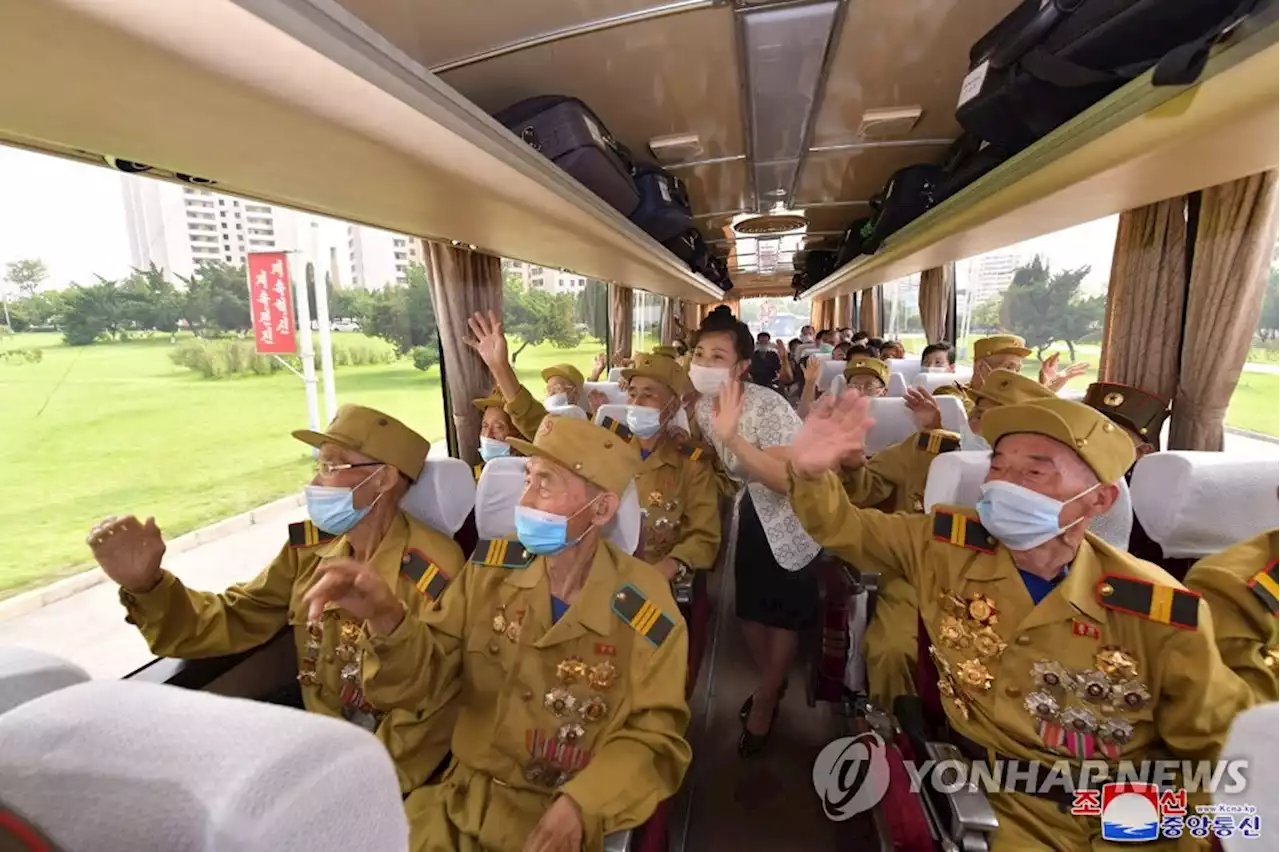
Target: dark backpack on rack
(664,210)
(850,243)
(1049,60)
(568,133)
(968,159)
(908,195)
(818,264)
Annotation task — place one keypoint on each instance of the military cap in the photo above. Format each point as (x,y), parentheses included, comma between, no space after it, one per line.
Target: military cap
(495,399)
(1001,344)
(1005,387)
(1102,445)
(667,351)
(1133,409)
(861,365)
(662,369)
(374,434)
(599,456)
(564,371)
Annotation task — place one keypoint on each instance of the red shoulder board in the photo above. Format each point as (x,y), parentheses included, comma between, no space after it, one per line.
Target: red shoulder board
(425,574)
(307,534)
(1266,586)
(19,834)
(962,531)
(1161,604)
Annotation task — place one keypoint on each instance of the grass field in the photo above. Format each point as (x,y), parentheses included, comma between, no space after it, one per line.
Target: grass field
(118,428)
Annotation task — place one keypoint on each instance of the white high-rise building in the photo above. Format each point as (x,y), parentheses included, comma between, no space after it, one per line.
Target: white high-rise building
(545,278)
(377,258)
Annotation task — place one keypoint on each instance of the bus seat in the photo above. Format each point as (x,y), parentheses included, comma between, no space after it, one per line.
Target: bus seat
(119,766)
(615,394)
(897,386)
(499,489)
(615,375)
(828,371)
(443,496)
(838,385)
(619,412)
(908,368)
(894,422)
(26,674)
(932,381)
(573,412)
(955,479)
(1196,503)
(1253,733)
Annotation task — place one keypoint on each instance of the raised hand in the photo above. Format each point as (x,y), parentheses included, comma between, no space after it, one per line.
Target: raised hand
(924,408)
(595,399)
(357,588)
(726,412)
(835,430)
(129,551)
(812,370)
(488,339)
(1055,379)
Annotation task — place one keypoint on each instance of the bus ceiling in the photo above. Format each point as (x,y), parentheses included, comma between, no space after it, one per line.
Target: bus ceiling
(784,117)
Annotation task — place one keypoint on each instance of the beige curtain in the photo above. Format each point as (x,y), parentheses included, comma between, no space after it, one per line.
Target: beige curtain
(935,300)
(1234,242)
(1142,334)
(844,311)
(463,282)
(621,311)
(822,314)
(869,317)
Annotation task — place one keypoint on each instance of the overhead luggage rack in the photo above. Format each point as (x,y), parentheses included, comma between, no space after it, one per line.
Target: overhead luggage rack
(1143,144)
(298,103)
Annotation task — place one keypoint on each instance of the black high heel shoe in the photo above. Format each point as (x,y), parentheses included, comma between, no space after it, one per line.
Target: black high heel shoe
(750,744)
(745,710)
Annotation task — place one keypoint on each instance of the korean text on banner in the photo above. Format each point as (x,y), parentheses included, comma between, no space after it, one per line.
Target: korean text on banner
(271,301)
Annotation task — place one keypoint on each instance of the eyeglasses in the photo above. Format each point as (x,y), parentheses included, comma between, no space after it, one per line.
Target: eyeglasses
(329,469)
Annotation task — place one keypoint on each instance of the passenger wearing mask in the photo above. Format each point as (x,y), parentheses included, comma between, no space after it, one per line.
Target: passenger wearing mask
(495,429)
(676,482)
(826,341)
(564,386)
(751,429)
(1001,352)
(766,362)
(840,352)
(846,335)
(1046,643)
(892,349)
(1001,387)
(366,463)
(570,657)
(807,334)
(938,358)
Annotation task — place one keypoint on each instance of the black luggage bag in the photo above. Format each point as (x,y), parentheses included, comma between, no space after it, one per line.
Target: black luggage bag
(968,159)
(818,264)
(851,243)
(1049,60)
(664,211)
(908,195)
(568,133)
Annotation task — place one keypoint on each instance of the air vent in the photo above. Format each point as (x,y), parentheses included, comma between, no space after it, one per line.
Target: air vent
(672,150)
(770,224)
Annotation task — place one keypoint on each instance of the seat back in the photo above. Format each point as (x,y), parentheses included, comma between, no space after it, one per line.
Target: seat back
(1253,734)
(614,394)
(498,492)
(26,674)
(123,766)
(1196,503)
(615,374)
(894,423)
(897,385)
(443,496)
(955,479)
(619,412)
(573,412)
(908,368)
(932,381)
(829,370)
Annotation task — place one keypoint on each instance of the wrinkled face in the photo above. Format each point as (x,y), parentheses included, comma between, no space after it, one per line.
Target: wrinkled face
(841,352)
(367,478)
(716,349)
(980,407)
(937,359)
(866,385)
(651,393)
(496,425)
(893,350)
(549,487)
(1048,467)
(559,384)
(983,367)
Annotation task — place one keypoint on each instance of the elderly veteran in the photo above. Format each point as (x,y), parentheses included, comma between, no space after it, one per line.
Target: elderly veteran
(366,462)
(570,653)
(1140,414)
(496,429)
(1047,644)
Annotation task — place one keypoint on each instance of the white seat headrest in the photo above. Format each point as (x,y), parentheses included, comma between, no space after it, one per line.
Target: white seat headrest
(802,351)
(619,413)
(26,674)
(615,374)
(615,394)
(838,385)
(443,496)
(122,766)
(897,385)
(498,492)
(932,381)
(909,368)
(829,370)
(1252,739)
(955,479)
(1196,503)
(573,412)
(820,356)
(894,423)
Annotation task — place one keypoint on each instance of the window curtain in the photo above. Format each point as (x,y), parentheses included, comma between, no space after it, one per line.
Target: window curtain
(822,314)
(934,300)
(463,282)
(1234,242)
(670,310)
(869,316)
(1142,332)
(844,312)
(621,311)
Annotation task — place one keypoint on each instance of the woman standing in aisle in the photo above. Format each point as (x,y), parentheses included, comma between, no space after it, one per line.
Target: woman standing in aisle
(751,429)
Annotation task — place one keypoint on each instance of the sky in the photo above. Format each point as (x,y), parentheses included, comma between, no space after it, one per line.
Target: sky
(71,216)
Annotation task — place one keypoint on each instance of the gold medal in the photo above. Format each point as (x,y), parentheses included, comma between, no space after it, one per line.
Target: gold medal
(571,670)
(655,498)
(953,633)
(982,609)
(988,643)
(1116,663)
(351,632)
(601,675)
(974,675)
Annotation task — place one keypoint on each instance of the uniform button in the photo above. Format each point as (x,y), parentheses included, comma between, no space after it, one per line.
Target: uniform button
(493,647)
(528,695)
(1023,639)
(1012,691)
(328,658)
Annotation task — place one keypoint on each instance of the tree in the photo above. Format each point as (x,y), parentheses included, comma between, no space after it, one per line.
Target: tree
(404,316)
(536,317)
(592,309)
(1045,308)
(1269,318)
(92,311)
(149,301)
(217,299)
(27,276)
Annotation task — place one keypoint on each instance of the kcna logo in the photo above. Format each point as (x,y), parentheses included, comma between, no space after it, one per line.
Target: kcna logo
(851,775)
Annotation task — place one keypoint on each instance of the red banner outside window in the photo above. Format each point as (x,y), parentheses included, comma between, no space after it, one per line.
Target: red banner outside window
(271,302)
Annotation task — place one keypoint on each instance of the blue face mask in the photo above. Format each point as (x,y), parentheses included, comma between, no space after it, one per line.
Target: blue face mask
(1022,519)
(333,509)
(644,422)
(826,348)
(546,533)
(491,449)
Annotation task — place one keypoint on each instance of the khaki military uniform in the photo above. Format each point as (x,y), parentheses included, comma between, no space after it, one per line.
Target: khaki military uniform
(591,706)
(1116,663)
(1000,344)
(1242,588)
(526,413)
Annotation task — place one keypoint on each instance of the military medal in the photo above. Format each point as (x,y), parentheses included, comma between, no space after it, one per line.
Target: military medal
(988,643)
(601,675)
(982,609)
(571,670)
(1051,675)
(307,676)
(1042,705)
(974,675)
(560,702)
(655,498)
(1112,734)
(1116,663)
(570,732)
(1134,694)
(1079,725)
(594,709)
(1093,687)
(953,633)
(500,621)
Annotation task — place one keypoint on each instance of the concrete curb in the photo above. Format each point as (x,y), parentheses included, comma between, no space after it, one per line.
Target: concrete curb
(29,602)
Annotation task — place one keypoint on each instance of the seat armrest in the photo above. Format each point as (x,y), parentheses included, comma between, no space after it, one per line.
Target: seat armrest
(969,814)
(682,590)
(619,841)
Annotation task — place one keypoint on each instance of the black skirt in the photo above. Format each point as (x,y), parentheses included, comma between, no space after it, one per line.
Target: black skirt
(767,593)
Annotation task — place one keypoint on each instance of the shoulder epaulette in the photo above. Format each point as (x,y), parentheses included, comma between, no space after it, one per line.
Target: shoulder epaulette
(501,553)
(962,531)
(425,574)
(476,470)
(938,441)
(617,427)
(1159,603)
(691,450)
(307,534)
(647,620)
(1266,585)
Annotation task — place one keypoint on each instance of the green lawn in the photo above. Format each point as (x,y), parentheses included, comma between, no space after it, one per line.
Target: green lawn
(117,428)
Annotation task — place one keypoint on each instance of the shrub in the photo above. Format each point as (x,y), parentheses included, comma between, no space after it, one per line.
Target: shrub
(217,359)
(22,356)
(424,357)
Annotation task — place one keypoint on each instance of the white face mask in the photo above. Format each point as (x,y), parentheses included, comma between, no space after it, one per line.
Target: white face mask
(556,400)
(644,422)
(1022,519)
(970,441)
(708,381)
